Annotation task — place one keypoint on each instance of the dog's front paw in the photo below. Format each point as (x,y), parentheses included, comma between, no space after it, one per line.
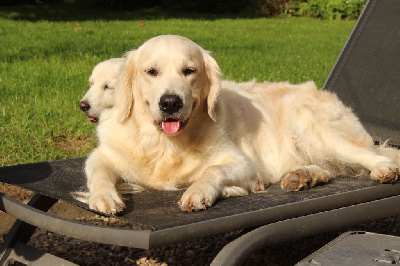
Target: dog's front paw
(385,172)
(198,198)
(106,201)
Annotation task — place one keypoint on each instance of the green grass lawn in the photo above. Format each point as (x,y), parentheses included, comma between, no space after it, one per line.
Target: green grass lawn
(45,64)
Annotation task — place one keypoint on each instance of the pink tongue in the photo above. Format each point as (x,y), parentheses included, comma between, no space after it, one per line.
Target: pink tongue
(170,127)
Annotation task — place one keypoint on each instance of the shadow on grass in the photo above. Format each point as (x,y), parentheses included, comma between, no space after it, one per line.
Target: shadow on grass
(85,11)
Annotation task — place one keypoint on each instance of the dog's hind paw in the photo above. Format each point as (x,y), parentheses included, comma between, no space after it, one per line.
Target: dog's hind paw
(385,173)
(297,180)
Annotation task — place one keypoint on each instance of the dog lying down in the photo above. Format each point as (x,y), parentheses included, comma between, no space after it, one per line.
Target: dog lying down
(100,95)
(176,125)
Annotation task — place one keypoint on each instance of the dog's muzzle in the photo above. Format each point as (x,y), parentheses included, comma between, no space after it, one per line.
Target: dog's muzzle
(85,106)
(171,105)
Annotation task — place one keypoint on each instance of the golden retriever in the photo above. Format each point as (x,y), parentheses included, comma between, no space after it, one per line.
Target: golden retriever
(102,82)
(176,125)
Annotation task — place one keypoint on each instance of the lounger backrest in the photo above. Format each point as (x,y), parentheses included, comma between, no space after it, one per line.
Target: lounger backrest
(366,75)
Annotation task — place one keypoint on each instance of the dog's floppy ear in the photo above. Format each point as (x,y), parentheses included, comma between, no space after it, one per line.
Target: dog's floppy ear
(124,90)
(213,73)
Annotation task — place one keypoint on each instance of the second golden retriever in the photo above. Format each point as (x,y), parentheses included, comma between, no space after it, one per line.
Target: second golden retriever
(100,95)
(176,125)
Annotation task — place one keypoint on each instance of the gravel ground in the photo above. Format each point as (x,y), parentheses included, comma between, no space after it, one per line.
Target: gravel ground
(196,252)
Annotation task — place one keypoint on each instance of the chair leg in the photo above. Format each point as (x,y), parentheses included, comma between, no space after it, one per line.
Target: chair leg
(21,232)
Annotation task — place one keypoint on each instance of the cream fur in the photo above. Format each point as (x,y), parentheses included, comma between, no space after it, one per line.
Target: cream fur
(239,137)
(102,82)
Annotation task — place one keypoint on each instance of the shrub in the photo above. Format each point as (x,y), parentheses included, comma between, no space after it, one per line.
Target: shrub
(274,8)
(331,9)
(324,9)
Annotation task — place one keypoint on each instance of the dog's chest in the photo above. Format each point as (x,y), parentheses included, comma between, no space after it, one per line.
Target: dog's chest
(164,167)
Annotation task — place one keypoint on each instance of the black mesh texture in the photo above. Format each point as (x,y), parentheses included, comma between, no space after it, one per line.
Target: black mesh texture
(159,209)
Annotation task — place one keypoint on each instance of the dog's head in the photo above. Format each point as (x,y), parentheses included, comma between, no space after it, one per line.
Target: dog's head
(170,78)
(102,82)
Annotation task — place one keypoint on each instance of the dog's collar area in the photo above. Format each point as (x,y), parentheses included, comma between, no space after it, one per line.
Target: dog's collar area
(172,126)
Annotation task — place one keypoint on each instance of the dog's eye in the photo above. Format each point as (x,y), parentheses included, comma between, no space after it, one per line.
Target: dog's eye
(188,71)
(152,72)
(106,87)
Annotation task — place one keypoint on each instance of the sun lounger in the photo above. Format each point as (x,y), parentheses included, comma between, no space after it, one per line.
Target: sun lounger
(365,77)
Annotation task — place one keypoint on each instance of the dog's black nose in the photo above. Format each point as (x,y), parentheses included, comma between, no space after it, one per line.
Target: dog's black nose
(84,106)
(170,103)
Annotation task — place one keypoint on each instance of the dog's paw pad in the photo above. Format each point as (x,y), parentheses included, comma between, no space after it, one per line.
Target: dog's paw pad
(387,178)
(385,173)
(390,178)
(296,180)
